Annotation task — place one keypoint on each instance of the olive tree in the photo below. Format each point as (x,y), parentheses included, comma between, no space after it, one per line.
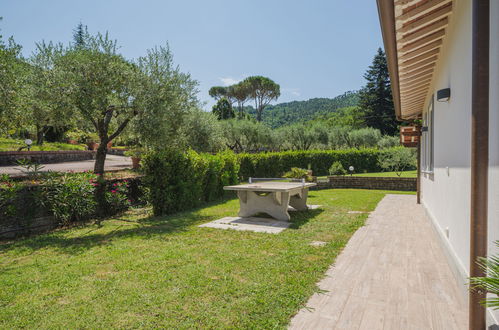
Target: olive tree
(12,69)
(397,159)
(164,99)
(101,85)
(247,135)
(203,132)
(43,107)
(304,137)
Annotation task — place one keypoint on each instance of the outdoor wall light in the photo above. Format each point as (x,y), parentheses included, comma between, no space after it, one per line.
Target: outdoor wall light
(443,95)
(351,169)
(28,143)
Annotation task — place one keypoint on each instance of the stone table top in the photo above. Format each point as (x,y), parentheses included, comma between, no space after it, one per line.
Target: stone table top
(271,186)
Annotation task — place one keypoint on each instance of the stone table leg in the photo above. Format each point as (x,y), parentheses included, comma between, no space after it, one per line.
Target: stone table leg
(274,204)
(299,201)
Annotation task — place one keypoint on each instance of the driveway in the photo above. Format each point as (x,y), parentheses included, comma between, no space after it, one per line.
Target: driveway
(113,162)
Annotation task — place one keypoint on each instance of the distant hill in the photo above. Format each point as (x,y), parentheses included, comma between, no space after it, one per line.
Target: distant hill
(299,111)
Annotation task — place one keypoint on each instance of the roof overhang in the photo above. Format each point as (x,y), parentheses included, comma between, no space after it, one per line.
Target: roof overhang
(413,33)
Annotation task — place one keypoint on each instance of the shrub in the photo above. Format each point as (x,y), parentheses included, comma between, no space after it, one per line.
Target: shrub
(8,196)
(298,173)
(70,197)
(179,180)
(337,169)
(117,197)
(275,164)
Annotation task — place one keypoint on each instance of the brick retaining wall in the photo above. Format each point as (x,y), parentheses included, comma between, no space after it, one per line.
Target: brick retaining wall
(365,182)
(8,158)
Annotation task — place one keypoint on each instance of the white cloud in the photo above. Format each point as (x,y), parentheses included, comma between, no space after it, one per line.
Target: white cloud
(227,81)
(292,91)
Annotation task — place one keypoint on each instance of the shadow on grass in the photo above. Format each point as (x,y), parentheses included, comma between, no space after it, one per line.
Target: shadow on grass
(299,218)
(146,227)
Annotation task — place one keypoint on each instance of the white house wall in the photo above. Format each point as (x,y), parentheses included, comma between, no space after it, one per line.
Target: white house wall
(446,192)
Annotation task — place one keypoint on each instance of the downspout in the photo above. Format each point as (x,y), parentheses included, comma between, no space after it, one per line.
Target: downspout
(479,155)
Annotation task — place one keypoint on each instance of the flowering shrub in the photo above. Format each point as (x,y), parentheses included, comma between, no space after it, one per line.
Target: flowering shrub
(70,197)
(117,197)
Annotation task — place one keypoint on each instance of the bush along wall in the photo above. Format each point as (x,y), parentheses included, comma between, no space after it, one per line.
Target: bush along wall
(59,200)
(275,164)
(179,180)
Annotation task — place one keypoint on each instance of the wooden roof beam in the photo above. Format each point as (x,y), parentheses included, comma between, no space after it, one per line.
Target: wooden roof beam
(430,18)
(422,42)
(418,73)
(432,45)
(414,90)
(429,29)
(419,65)
(421,57)
(417,11)
(426,81)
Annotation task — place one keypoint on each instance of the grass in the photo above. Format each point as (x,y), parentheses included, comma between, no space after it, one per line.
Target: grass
(14,145)
(405,174)
(165,272)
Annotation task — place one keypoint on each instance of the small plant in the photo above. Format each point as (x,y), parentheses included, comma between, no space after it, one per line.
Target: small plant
(337,169)
(298,173)
(490,283)
(30,168)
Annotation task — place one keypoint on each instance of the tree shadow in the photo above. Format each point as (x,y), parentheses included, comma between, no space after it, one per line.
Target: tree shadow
(299,218)
(147,227)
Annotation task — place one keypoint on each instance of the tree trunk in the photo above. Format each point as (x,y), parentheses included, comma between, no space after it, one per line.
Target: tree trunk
(100,191)
(100,157)
(39,135)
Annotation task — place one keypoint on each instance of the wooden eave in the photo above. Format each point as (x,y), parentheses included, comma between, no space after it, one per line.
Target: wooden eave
(413,33)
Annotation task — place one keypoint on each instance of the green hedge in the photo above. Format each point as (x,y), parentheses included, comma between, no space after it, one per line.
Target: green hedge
(179,180)
(275,164)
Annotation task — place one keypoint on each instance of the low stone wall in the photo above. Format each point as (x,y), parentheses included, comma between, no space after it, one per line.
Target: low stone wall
(8,158)
(118,152)
(365,182)
(31,217)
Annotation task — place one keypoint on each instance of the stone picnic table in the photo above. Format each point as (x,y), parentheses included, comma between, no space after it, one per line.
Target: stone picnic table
(272,198)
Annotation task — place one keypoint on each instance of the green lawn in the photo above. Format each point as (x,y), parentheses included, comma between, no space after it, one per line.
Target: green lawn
(165,272)
(405,174)
(14,145)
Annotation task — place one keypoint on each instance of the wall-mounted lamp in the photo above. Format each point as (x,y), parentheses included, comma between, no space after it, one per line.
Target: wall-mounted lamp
(443,95)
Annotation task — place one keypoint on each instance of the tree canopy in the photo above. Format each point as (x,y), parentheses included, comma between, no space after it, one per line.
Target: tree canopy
(376,97)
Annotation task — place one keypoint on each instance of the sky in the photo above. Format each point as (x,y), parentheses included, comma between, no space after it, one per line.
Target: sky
(311,48)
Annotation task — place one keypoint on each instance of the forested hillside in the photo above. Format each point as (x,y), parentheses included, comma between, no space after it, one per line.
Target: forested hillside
(300,111)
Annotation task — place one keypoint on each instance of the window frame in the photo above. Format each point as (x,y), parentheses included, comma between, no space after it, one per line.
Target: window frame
(428,138)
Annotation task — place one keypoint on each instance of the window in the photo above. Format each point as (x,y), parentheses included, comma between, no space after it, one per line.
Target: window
(427,139)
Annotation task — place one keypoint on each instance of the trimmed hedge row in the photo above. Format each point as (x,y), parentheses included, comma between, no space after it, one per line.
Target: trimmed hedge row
(179,180)
(275,164)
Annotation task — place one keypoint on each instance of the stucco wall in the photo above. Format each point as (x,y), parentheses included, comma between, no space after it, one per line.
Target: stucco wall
(446,192)
(494,131)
